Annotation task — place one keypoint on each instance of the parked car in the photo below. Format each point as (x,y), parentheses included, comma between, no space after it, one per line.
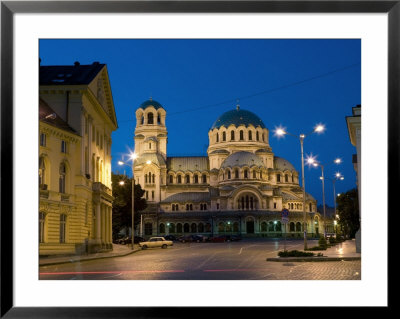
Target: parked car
(232,237)
(218,239)
(186,239)
(170,237)
(156,242)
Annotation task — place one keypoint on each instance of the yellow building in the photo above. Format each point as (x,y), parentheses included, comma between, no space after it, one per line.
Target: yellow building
(240,187)
(76,119)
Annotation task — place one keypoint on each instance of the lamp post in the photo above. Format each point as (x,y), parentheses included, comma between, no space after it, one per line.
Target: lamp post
(282,132)
(338,177)
(133,157)
(312,161)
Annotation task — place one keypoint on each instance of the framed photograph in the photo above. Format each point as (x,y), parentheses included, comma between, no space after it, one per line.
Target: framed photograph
(117,80)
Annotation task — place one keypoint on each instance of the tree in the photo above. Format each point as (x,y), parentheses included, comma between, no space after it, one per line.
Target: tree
(348,211)
(122,205)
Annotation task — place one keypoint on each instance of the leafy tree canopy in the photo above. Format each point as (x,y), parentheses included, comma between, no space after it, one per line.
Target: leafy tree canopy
(122,205)
(348,211)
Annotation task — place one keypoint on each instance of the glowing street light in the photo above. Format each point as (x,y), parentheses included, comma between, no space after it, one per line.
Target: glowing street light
(311,160)
(132,156)
(280,132)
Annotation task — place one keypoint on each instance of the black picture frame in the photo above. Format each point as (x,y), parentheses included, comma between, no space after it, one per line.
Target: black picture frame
(9,8)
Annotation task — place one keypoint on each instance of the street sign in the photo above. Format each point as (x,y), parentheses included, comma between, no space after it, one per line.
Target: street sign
(285,216)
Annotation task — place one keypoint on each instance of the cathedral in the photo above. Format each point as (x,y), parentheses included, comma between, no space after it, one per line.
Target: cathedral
(239,188)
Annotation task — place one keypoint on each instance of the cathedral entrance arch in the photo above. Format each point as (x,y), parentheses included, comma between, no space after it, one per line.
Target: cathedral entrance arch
(249,225)
(247,198)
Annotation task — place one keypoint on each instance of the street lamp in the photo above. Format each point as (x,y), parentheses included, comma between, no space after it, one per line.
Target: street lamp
(338,177)
(313,162)
(280,131)
(133,157)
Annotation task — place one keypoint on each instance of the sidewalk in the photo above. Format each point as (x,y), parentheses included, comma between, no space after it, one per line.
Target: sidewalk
(118,251)
(339,252)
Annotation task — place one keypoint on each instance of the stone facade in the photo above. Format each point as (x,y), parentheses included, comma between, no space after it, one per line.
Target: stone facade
(76,118)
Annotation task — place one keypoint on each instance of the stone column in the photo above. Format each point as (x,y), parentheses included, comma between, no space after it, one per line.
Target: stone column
(110,222)
(103,223)
(98,223)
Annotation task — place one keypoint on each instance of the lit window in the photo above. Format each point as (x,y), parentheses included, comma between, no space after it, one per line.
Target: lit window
(62,172)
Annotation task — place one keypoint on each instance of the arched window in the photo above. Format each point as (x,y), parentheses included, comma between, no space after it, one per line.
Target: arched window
(171,228)
(205,206)
(292,178)
(173,207)
(236,173)
(149,146)
(260,174)
(232,135)
(153,178)
(310,207)
(187,179)
(176,207)
(291,227)
(63,228)
(150,118)
(179,179)
(246,174)
(229,174)
(61,180)
(241,135)
(42,219)
(193,228)
(264,226)
(263,137)
(191,207)
(179,228)
(270,226)
(42,171)
(278,177)
(286,178)
(186,228)
(162,228)
(254,174)
(224,136)
(196,179)
(257,136)
(158,119)
(201,228)
(171,179)
(145,178)
(298,226)
(187,206)
(142,120)
(217,138)
(250,135)
(204,178)
(221,227)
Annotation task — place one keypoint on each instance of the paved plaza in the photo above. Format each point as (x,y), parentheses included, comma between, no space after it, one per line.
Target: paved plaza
(243,260)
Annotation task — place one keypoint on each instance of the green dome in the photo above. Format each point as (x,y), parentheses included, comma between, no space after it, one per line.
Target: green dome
(238,117)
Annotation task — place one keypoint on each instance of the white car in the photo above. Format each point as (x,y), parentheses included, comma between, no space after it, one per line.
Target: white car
(156,242)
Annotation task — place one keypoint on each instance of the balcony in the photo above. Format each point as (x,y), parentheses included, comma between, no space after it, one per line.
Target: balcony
(101,189)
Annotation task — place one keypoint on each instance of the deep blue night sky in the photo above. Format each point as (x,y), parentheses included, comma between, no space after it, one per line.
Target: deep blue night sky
(293,83)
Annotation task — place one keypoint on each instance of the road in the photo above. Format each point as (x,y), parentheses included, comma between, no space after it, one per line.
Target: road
(243,260)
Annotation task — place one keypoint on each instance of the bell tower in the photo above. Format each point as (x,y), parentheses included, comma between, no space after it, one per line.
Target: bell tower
(151,132)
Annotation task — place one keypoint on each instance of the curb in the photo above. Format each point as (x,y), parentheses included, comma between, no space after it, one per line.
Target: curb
(312,259)
(71,261)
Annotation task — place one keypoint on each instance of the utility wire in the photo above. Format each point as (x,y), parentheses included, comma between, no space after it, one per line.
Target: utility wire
(262,92)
